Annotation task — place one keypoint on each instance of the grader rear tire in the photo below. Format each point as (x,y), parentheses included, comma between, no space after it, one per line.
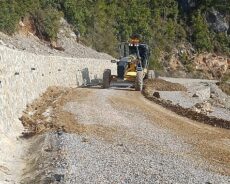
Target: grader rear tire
(106,78)
(139,81)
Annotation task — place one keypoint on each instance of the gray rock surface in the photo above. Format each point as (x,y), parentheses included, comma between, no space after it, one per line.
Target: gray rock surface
(181,98)
(219,97)
(216,21)
(204,108)
(203,93)
(199,91)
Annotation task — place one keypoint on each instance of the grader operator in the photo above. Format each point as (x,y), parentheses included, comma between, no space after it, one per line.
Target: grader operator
(132,67)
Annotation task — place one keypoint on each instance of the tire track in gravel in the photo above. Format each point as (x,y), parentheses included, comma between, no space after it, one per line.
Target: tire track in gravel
(129,111)
(212,143)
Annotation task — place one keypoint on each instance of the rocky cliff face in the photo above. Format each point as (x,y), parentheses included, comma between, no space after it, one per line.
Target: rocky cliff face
(186,59)
(217,21)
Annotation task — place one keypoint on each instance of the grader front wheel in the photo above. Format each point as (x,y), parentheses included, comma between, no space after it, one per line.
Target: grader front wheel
(139,81)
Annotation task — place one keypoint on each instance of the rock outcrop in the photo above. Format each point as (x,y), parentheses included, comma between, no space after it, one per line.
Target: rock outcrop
(217,21)
(204,108)
(212,64)
(185,62)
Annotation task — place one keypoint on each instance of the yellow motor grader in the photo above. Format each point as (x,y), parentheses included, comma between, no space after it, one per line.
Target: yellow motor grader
(132,67)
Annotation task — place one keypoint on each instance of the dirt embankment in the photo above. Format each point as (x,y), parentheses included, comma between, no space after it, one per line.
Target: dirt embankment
(40,116)
(46,114)
(161,85)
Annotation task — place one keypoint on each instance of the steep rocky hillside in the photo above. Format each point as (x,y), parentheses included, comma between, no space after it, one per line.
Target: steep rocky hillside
(65,45)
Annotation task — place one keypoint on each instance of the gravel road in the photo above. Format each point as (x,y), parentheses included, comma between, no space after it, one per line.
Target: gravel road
(128,139)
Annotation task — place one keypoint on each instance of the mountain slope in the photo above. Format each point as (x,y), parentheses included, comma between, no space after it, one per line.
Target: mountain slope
(165,25)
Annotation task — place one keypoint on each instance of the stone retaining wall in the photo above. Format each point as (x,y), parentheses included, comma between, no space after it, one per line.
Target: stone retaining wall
(24,76)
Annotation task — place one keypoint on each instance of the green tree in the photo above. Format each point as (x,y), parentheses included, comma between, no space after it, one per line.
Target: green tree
(221,43)
(8,16)
(201,33)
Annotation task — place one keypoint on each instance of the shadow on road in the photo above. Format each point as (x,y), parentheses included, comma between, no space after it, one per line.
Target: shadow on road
(96,83)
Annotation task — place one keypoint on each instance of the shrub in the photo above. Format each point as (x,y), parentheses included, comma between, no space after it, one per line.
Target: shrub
(201,38)
(47,22)
(8,17)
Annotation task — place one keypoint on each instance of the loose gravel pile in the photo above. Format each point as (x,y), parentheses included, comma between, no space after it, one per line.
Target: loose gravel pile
(32,44)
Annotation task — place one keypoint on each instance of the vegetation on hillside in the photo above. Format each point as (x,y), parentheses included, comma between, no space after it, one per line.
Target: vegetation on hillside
(102,24)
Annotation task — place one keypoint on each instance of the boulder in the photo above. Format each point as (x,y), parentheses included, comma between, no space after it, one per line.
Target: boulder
(21,24)
(204,108)
(156,94)
(195,95)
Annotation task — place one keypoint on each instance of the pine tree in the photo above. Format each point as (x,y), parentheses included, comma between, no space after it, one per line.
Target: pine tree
(201,33)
